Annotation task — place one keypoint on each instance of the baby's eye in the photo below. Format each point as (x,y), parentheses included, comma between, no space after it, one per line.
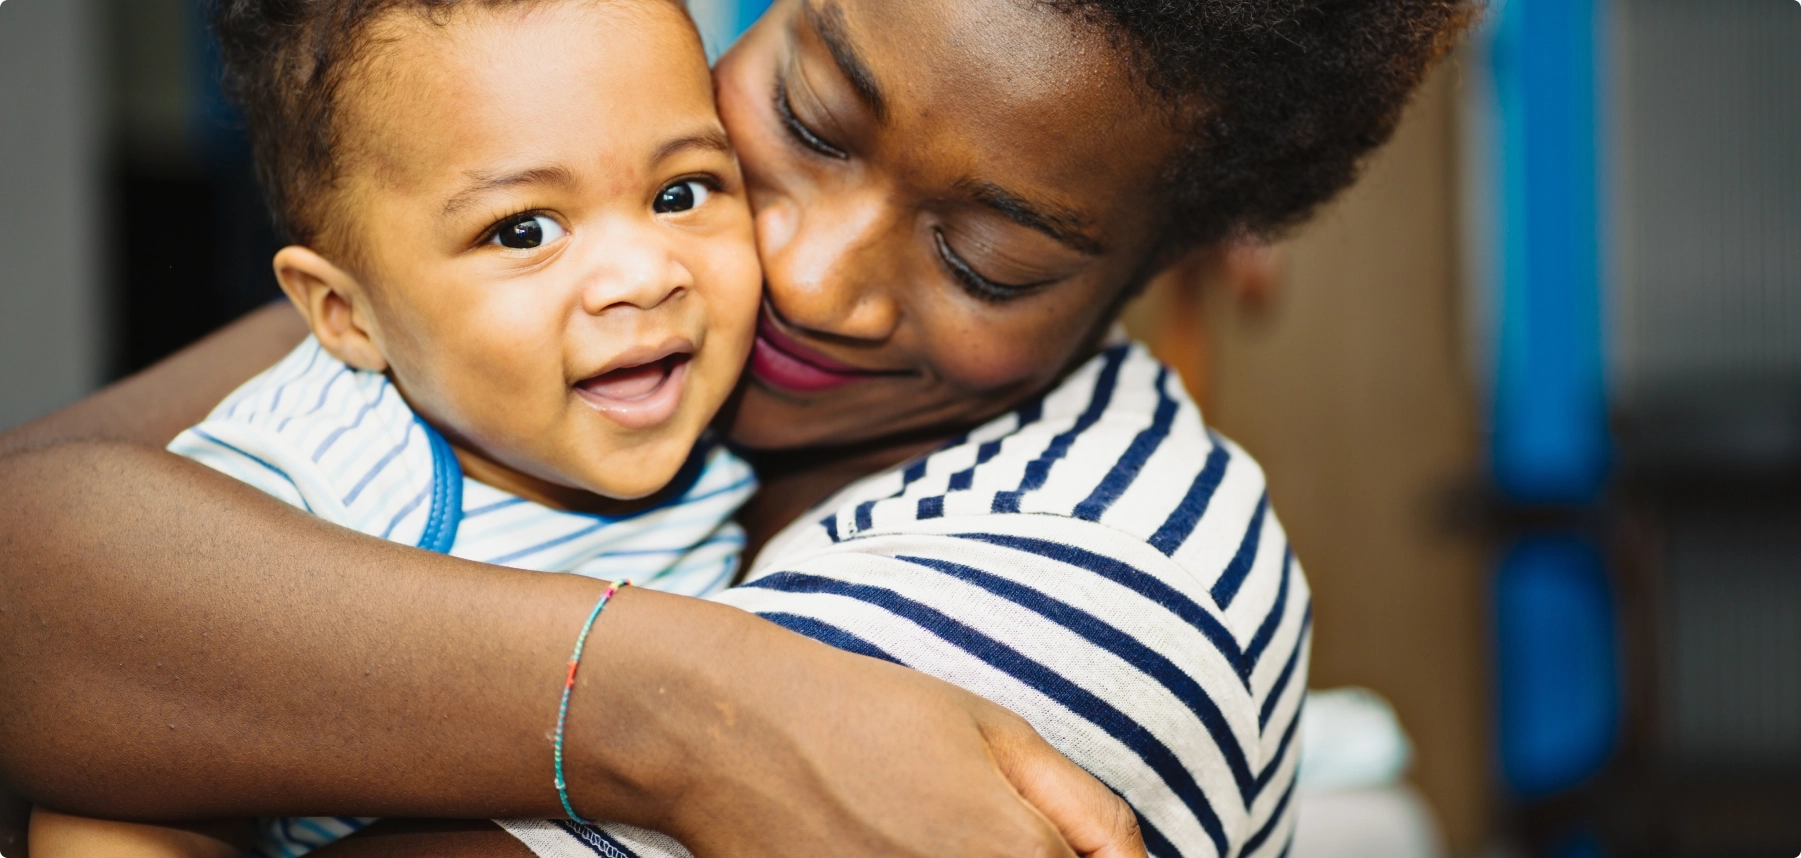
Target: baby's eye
(527,231)
(681,196)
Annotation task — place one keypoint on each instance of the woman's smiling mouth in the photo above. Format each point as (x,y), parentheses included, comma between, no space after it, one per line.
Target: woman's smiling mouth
(779,361)
(641,395)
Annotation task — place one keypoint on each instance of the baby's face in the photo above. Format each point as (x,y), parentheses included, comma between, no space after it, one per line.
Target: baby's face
(553,236)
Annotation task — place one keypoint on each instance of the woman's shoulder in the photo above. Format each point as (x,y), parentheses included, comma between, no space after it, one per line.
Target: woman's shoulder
(1101,563)
(1114,465)
(1119,443)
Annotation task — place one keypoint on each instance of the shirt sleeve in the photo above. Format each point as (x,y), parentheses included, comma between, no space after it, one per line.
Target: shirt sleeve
(1116,653)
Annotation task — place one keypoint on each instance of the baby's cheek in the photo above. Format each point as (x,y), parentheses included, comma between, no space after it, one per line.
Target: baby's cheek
(731,281)
(509,389)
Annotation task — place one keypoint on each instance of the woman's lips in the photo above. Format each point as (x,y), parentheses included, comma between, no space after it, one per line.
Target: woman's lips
(640,396)
(780,361)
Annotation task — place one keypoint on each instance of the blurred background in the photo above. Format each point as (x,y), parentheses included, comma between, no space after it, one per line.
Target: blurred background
(1529,398)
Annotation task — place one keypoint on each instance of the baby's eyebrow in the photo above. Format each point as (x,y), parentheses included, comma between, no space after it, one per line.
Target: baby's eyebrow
(713,139)
(482,183)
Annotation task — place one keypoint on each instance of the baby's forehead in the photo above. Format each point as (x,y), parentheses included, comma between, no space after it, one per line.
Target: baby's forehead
(431,89)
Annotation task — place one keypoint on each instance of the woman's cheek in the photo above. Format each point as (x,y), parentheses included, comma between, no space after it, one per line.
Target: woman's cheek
(979,355)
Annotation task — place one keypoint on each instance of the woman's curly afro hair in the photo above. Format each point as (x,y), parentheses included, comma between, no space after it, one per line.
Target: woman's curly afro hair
(1278,101)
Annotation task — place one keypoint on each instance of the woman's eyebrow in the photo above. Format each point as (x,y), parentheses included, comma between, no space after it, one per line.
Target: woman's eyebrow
(1065,225)
(482,183)
(827,20)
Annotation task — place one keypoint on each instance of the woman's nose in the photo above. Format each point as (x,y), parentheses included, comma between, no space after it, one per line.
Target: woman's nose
(632,268)
(826,270)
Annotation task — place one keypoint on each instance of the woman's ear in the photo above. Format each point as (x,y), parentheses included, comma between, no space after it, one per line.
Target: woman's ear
(335,306)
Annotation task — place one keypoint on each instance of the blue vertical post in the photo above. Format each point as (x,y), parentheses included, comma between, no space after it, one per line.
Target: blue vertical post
(749,11)
(1554,610)
(721,22)
(1550,441)
(1557,677)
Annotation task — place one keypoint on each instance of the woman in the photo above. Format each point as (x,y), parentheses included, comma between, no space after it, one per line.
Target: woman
(949,222)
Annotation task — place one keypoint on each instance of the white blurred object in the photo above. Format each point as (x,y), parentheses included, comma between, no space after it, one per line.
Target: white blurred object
(1351,738)
(1376,822)
(1351,802)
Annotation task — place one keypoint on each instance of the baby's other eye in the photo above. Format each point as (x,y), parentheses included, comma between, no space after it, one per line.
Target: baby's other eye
(526,231)
(681,196)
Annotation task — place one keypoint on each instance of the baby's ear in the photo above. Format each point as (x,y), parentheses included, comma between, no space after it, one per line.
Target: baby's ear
(334,304)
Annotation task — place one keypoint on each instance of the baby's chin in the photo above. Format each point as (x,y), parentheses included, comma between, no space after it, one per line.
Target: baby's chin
(644,470)
(588,465)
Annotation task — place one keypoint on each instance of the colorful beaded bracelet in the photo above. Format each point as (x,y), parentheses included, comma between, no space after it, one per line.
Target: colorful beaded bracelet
(569,686)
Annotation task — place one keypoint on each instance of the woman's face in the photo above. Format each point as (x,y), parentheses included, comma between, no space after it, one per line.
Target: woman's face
(949,197)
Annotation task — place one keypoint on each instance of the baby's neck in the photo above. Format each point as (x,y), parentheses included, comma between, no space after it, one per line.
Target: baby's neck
(489,472)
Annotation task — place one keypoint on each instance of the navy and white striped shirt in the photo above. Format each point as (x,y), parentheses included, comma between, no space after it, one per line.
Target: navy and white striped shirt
(1097,561)
(342,444)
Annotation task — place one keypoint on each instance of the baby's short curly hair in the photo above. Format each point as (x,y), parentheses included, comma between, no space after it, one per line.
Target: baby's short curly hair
(285,64)
(1277,101)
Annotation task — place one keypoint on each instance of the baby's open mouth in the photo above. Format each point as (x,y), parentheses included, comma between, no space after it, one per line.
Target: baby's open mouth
(634,383)
(641,395)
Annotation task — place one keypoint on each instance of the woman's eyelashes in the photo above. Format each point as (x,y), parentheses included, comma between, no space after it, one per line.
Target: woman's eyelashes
(806,137)
(973,281)
(527,231)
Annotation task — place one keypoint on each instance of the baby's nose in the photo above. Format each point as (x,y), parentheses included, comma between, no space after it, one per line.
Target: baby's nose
(633,271)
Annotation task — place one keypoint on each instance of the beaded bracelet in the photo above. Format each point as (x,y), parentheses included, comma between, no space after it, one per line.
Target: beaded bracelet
(569,686)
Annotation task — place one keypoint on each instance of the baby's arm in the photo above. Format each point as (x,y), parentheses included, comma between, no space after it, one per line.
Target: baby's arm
(57,835)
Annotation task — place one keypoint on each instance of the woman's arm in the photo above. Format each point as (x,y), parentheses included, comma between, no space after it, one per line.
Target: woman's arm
(178,645)
(181,646)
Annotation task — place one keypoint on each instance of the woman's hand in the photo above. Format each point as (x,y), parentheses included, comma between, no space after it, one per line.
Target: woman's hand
(758,741)
(1095,821)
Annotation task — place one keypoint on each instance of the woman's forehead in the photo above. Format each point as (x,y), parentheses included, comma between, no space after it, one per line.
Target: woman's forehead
(1019,61)
(987,93)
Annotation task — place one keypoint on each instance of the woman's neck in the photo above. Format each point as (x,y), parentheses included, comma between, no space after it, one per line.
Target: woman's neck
(793,481)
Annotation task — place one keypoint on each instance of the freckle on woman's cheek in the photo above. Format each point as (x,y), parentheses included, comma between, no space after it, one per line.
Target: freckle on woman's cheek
(989,362)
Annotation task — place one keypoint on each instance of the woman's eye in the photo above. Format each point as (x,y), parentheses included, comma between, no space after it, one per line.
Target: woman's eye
(784,111)
(681,197)
(528,231)
(973,281)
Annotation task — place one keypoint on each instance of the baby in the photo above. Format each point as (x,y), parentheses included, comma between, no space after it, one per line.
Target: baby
(522,243)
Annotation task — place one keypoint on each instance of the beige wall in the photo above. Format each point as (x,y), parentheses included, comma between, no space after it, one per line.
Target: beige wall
(1350,384)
